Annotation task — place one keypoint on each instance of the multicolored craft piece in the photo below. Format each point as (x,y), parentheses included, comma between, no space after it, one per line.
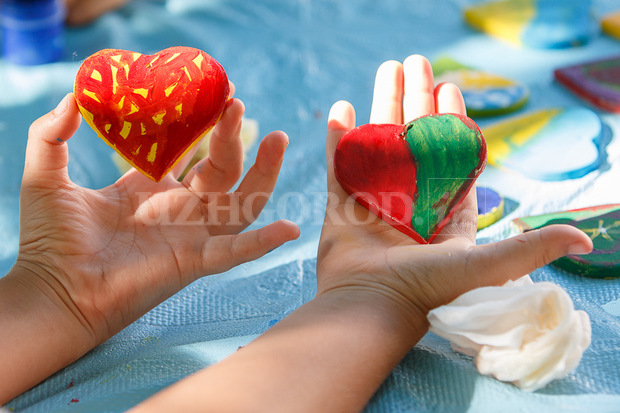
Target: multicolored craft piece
(601,223)
(490,206)
(151,108)
(542,24)
(597,82)
(610,24)
(413,176)
(485,94)
(549,144)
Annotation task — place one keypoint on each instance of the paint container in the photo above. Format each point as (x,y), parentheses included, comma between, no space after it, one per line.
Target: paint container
(32,31)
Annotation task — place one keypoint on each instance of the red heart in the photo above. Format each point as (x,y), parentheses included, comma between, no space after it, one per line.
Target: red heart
(151,108)
(412,176)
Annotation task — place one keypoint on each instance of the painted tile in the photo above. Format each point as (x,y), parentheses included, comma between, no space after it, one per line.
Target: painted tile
(601,223)
(485,94)
(548,144)
(545,24)
(597,82)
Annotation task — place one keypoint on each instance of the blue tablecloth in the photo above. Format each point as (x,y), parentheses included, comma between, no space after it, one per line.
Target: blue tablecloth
(290,60)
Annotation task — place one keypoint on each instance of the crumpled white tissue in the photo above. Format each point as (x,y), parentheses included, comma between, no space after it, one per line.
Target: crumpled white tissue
(523,332)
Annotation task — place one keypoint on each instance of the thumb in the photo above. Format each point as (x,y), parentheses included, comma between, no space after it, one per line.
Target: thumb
(47,154)
(517,256)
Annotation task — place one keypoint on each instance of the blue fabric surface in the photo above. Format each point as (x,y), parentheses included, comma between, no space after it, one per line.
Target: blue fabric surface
(290,60)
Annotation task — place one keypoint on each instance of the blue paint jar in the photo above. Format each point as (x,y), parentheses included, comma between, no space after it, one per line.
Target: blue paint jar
(32,31)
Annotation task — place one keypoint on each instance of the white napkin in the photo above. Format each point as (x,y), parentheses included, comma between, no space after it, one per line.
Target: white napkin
(523,332)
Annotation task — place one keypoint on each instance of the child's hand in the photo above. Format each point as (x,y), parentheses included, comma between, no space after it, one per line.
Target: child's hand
(355,254)
(375,286)
(121,250)
(105,257)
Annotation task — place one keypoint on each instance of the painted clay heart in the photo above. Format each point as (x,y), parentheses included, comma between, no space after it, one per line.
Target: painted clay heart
(151,108)
(412,176)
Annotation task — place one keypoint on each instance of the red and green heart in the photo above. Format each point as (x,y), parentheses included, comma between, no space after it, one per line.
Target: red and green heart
(413,176)
(151,108)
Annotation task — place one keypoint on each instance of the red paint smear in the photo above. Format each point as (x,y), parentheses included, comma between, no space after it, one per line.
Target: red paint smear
(70,384)
(75,400)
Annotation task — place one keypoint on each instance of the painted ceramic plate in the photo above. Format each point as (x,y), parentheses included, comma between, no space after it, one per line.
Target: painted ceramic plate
(601,223)
(596,82)
(485,94)
(490,206)
(611,24)
(545,24)
(549,144)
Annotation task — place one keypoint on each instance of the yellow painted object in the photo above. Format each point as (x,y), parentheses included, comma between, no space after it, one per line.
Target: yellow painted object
(611,24)
(504,19)
(490,218)
(507,136)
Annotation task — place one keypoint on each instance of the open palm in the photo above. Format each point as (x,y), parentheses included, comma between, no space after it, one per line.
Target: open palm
(358,249)
(114,253)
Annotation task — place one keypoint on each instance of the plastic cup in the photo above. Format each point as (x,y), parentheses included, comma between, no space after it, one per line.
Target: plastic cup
(32,31)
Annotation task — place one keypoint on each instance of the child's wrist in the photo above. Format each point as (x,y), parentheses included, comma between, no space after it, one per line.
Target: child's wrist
(41,333)
(395,311)
(50,300)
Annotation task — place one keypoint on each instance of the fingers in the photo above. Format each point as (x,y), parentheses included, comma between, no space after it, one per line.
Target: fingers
(513,258)
(223,167)
(222,253)
(247,202)
(341,119)
(387,98)
(180,167)
(46,152)
(449,99)
(419,93)
(404,92)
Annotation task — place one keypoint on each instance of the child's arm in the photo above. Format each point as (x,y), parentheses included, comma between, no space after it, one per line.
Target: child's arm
(375,286)
(92,261)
